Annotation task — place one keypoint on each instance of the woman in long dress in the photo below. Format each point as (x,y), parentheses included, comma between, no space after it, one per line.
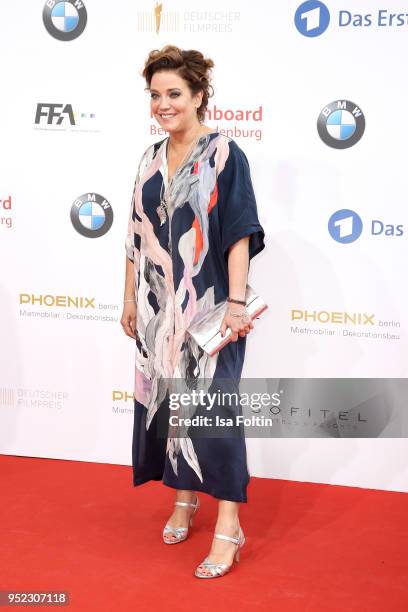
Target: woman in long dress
(193,229)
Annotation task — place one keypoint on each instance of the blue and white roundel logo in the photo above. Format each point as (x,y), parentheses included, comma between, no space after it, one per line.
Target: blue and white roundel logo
(312,18)
(341,124)
(91,215)
(64,20)
(345,226)
(65,17)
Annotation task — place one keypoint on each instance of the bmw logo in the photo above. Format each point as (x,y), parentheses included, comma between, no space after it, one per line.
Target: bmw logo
(64,20)
(345,226)
(341,124)
(91,215)
(312,18)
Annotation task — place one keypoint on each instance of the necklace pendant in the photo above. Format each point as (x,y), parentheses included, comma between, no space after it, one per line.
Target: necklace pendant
(161,211)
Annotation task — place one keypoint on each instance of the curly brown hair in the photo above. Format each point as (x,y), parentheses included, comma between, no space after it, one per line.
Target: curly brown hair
(190,65)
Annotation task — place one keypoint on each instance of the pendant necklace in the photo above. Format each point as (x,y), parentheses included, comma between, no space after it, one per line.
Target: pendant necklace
(162,208)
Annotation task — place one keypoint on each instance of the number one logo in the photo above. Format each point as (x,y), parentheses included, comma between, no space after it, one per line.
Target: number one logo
(312,18)
(345,226)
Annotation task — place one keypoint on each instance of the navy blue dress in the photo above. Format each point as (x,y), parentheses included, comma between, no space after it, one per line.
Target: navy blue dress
(180,271)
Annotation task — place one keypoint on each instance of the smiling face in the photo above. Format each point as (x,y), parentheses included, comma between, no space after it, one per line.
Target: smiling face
(172,103)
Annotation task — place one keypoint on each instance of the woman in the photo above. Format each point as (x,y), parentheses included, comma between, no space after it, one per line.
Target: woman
(193,228)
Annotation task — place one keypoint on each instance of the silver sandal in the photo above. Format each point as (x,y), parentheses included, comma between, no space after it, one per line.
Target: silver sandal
(220,569)
(180,533)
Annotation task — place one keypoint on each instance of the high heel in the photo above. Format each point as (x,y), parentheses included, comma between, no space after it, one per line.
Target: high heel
(180,533)
(220,569)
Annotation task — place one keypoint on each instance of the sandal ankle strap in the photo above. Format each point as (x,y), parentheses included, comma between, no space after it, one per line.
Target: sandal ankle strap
(236,540)
(221,536)
(179,503)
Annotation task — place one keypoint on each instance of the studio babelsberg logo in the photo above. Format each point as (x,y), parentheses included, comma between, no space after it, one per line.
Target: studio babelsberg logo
(312,18)
(345,226)
(91,215)
(341,124)
(64,20)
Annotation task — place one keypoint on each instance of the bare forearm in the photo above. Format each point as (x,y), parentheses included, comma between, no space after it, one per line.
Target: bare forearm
(129,280)
(238,263)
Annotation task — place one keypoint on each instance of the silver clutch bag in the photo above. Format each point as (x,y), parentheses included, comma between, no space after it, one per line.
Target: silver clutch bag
(206,329)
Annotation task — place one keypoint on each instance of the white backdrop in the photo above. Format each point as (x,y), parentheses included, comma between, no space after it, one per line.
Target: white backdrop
(66,380)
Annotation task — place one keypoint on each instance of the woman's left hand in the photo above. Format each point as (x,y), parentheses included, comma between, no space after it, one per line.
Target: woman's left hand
(240,326)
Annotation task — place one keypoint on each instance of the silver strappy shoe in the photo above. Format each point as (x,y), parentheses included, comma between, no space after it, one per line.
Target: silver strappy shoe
(220,569)
(180,533)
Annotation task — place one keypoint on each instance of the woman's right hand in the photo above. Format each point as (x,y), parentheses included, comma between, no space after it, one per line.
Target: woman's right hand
(128,320)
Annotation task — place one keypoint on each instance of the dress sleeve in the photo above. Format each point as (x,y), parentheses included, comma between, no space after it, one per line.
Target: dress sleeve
(237,204)
(133,236)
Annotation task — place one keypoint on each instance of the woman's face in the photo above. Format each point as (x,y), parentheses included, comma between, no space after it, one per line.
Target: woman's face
(171,101)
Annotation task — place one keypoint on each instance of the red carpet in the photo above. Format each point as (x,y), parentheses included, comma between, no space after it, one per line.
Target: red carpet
(83,528)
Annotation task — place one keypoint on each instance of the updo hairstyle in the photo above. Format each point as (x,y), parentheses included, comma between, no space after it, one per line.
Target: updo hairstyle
(190,65)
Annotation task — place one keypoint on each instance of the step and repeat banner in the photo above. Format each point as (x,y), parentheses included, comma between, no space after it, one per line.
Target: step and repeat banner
(314,93)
